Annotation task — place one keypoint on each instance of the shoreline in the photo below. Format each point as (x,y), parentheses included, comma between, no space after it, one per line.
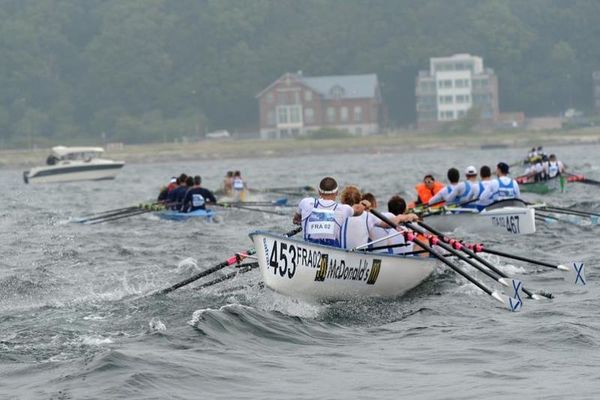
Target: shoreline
(257,148)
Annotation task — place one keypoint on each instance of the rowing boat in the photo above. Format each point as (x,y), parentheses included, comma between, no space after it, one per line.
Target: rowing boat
(182,216)
(542,187)
(315,272)
(511,217)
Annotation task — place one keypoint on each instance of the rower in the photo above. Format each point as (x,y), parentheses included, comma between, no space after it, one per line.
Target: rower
(176,196)
(196,197)
(228,183)
(363,228)
(443,195)
(239,186)
(555,167)
(427,189)
(396,208)
(465,190)
(502,188)
(322,218)
(486,179)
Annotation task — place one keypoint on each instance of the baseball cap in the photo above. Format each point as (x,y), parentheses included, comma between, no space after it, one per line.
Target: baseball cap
(173,180)
(470,170)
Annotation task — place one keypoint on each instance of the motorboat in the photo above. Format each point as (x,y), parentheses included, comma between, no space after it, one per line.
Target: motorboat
(67,164)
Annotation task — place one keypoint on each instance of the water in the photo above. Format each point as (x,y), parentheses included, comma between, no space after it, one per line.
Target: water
(75,321)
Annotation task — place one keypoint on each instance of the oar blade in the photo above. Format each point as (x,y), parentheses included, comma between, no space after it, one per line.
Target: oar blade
(510,303)
(577,273)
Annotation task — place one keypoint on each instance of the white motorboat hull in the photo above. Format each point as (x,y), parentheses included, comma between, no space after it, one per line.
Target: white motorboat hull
(504,220)
(314,272)
(69,171)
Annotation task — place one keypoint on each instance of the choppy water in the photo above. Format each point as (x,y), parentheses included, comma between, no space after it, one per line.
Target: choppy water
(75,324)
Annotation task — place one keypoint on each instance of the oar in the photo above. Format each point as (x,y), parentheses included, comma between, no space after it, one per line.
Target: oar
(117,217)
(511,303)
(242,269)
(230,261)
(102,213)
(561,210)
(227,205)
(582,179)
(578,268)
(470,253)
(282,202)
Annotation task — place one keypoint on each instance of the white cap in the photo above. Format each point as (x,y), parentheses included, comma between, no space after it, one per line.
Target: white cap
(470,170)
(173,180)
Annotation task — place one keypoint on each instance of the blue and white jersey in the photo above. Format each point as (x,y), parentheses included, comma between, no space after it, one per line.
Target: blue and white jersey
(442,195)
(482,186)
(322,220)
(501,189)
(461,193)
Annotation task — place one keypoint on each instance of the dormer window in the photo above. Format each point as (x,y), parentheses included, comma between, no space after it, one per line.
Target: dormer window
(336,92)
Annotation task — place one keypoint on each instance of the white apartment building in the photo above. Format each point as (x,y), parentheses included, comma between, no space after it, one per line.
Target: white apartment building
(452,86)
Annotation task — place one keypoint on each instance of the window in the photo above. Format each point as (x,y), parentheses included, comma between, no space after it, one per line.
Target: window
(461,83)
(344,114)
(309,115)
(358,114)
(308,95)
(445,84)
(446,115)
(295,115)
(331,115)
(445,99)
(282,115)
(336,92)
(271,118)
(289,115)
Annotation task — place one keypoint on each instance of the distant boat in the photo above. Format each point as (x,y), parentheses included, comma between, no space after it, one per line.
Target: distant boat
(67,164)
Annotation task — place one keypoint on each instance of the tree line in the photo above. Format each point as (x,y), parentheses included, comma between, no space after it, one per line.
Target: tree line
(153,70)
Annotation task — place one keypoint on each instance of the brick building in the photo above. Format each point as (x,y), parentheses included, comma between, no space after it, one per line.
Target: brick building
(295,105)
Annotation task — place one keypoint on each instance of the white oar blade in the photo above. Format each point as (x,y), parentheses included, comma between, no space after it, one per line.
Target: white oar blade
(513,284)
(511,303)
(577,273)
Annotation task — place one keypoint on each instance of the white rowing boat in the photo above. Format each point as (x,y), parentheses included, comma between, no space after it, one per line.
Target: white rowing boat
(508,217)
(314,272)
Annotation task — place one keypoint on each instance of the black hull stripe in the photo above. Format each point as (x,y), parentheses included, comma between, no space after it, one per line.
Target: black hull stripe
(70,170)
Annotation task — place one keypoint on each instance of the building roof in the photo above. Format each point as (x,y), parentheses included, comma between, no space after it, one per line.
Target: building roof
(343,86)
(61,151)
(336,86)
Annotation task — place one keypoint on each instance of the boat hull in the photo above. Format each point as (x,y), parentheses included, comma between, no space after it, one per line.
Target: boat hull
(180,216)
(321,273)
(505,220)
(74,171)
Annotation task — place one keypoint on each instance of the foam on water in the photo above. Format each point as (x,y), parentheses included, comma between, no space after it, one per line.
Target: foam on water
(78,317)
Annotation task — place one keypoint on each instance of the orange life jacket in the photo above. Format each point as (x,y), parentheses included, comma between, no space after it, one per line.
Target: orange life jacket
(424,194)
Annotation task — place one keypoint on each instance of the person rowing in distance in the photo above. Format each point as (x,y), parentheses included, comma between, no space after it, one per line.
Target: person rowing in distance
(196,197)
(228,184)
(239,186)
(322,218)
(501,188)
(554,167)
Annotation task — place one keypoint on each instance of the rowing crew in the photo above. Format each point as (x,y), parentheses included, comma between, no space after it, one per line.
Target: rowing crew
(347,224)
(473,192)
(234,185)
(186,194)
(543,168)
